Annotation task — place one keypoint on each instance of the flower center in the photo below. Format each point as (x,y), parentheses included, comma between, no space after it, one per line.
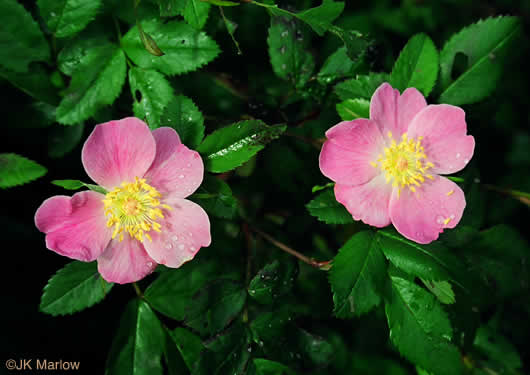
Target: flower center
(133,208)
(404,163)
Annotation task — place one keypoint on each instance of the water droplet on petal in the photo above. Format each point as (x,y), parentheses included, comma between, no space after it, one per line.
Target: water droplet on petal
(169,245)
(188,165)
(440,219)
(181,176)
(458,155)
(181,247)
(149,264)
(452,217)
(190,234)
(192,248)
(466,161)
(175,238)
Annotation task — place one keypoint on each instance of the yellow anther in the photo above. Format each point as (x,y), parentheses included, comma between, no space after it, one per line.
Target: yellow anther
(446,221)
(133,208)
(404,163)
(450,192)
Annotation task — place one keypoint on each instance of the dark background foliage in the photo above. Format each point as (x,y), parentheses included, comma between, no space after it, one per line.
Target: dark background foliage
(227,89)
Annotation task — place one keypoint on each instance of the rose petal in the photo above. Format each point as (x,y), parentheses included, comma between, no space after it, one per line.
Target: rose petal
(443,128)
(75,227)
(421,216)
(367,202)
(179,174)
(125,262)
(351,146)
(185,229)
(118,151)
(393,112)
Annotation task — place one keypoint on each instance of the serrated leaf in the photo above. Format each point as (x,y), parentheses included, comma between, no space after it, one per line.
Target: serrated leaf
(267,367)
(183,115)
(326,208)
(66,17)
(139,342)
(185,48)
(215,196)
(196,13)
(170,8)
(148,42)
(80,53)
(231,146)
(172,291)
(442,290)
(35,83)
(151,93)
(73,288)
(20,37)
(188,344)
(420,329)
(273,281)
(288,42)
(430,262)
(18,170)
(76,185)
(357,276)
(320,18)
(337,65)
(352,109)
(416,66)
(487,45)
(363,86)
(63,139)
(95,84)
(355,42)
(215,305)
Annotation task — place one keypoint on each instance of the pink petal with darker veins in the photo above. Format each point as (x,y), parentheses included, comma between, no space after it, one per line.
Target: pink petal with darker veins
(422,216)
(177,172)
(443,128)
(185,229)
(75,227)
(367,202)
(393,112)
(351,146)
(125,262)
(118,151)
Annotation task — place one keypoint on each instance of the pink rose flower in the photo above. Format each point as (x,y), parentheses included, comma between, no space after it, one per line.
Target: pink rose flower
(144,219)
(387,168)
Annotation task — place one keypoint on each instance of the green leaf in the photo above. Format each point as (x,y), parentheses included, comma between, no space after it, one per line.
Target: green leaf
(196,13)
(215,196)
(35,83)
(357,276)
(320,18)
(269,326)
(189,345)
(267,367)
(183,115)
(151,93)
(486,45)
(97,82)
(352,109)
(442,290)
(326,208)
(76,185)
(148,42)
(185,48)
(73,288)
(20,37)
(363,86)
(430,262)
(215,305)
(170,8)
(497,348)
(273,281)
(67,17)
(337,65)
(416,66)
(63,139)
(288,43)
(139,343)
(171,293)
(228,353)
(17,170)
(231,146)
(420,329)
(355,42)
(222,3)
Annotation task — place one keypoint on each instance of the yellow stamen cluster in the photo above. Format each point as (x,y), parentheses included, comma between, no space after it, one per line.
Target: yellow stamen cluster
(404,163)
(134,208)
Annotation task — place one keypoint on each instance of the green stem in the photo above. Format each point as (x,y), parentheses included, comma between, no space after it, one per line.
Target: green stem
(138,291)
